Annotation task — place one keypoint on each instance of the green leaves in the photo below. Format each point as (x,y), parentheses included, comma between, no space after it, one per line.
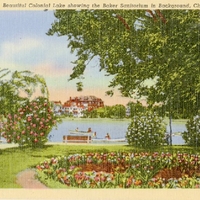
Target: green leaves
(135,46)
(16,87)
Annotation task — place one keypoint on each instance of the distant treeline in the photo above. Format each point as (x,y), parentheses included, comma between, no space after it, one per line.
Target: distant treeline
(120,111)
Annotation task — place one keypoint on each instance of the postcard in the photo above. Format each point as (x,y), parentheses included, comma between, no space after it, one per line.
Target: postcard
(99,100)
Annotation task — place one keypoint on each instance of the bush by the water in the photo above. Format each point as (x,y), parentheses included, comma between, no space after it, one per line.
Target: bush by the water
(192,135)
(31,125)
(146,130)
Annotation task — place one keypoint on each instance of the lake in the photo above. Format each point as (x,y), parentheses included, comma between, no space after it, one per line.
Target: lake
(116,128)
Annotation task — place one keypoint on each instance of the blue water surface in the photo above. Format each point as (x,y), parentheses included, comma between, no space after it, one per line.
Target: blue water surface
(116,128)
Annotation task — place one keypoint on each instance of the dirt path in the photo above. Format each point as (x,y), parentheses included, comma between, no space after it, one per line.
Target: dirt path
(27,180)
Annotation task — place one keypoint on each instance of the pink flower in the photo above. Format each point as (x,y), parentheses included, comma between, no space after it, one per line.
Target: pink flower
(72,167)
(29,118)
(42,134)
(97,179)
(23,132)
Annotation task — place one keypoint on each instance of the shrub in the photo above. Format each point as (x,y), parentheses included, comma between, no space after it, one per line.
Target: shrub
(146,130)
(192,135)
(31,125)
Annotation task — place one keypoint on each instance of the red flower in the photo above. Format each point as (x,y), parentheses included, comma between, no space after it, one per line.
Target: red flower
(35,140)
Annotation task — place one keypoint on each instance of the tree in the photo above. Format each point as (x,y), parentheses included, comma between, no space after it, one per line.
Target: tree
(105,112)
(119,111)
(139,45)
(16,87)
(90,114)
(135,108)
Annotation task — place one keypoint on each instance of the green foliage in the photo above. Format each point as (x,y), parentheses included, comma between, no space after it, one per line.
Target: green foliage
(135,108)
(119,111)
(31,125)
(105,112)
(16,87)
(192,135)
(135,46)
(90,114)
(147,130)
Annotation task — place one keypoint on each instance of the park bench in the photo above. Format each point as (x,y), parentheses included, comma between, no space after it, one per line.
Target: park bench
(76,139)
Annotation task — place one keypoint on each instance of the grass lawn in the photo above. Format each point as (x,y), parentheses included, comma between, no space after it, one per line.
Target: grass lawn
(15,160)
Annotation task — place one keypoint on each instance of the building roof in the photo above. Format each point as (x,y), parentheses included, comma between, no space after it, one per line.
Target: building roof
(86,98)
(57,102)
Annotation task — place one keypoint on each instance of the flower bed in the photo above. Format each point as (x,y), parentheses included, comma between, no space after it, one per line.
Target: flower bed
(123,170)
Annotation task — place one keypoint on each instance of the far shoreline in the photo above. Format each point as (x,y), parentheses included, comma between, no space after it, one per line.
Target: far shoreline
(166,120)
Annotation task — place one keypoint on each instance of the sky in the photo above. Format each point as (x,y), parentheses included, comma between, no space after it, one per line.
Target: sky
(24,45)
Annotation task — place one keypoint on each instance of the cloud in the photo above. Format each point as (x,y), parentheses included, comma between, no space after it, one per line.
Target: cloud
(48,55)
(51,71)
(10,49)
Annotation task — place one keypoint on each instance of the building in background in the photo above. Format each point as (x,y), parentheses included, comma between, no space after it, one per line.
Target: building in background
(76,105)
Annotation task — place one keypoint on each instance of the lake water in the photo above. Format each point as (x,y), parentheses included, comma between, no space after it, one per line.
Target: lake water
(116,128)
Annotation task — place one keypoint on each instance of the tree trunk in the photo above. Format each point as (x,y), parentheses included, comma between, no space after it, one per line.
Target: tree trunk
(170,129)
